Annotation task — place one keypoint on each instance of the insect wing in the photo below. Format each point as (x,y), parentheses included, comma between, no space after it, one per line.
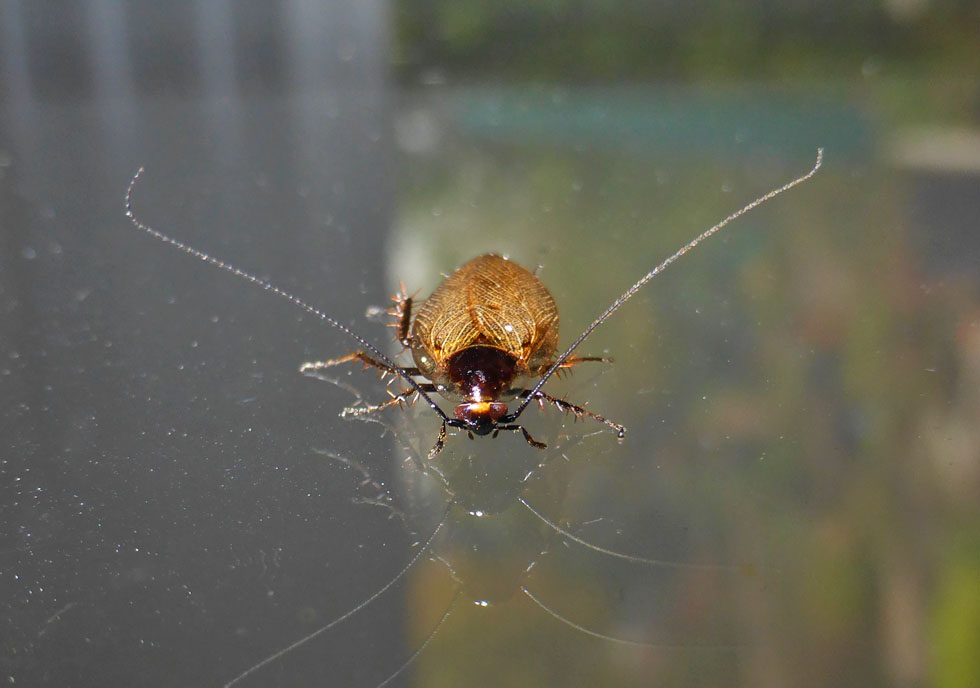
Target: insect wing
(490,301)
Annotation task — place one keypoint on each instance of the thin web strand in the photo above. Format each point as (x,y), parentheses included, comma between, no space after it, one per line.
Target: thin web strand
(626,557)
(613,639)
(425,643)
(343,617)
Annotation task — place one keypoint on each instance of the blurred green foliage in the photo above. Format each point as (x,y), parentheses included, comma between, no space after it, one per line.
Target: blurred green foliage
(788,389)
(801,393)
(599,40)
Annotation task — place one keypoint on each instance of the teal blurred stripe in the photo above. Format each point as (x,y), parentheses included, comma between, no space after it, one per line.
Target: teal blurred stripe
(665,120)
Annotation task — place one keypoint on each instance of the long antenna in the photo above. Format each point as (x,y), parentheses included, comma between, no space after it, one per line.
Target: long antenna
(656,271)
(275,290)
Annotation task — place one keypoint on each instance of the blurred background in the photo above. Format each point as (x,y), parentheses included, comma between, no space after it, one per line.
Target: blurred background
(178,503)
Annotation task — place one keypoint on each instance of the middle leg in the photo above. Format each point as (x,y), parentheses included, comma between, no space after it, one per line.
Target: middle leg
(577,411)
(316,366)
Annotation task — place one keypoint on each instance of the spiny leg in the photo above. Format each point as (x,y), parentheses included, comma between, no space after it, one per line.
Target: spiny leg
(578,411)
(402,314)
(315,366)
(393,401)
(573,361)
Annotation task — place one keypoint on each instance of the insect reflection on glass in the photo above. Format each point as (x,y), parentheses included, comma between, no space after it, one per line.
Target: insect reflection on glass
(487,330)
(485,334)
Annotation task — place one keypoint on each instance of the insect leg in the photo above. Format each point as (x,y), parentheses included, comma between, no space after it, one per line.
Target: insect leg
(314,366)
(527,435)
(577,410)
(575,360)
(394,400)
(440,442)
(402,314)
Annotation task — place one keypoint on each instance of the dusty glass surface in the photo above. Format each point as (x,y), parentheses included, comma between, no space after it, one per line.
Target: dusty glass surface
(795,502)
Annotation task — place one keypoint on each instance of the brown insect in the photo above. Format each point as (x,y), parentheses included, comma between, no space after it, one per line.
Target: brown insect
(487,331)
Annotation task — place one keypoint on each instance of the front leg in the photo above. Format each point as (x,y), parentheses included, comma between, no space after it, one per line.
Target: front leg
(573,361)
(527,436)
(396,399)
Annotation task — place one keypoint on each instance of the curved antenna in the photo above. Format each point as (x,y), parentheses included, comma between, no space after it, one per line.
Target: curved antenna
(343,617)
(653,273)
(200,255)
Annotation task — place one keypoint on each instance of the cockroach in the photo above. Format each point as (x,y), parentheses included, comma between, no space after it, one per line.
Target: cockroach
(489,329)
